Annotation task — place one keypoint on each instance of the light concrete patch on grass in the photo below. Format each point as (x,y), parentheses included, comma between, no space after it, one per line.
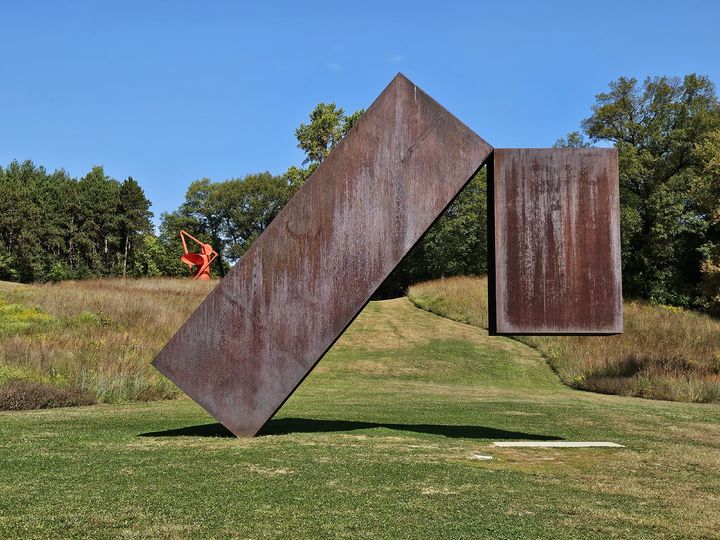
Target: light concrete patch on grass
(557,444)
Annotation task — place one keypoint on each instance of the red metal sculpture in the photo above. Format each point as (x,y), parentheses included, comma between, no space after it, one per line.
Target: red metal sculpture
(201,260)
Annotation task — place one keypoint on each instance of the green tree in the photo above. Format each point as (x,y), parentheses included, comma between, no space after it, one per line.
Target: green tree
(97,235)
(171,223)
(328,125)
(133,221)
(56,196)
(323,132)
(574,139)
(56,227)
(706,187)
(150,257)
(706,190)
(229,215)
(20,221)
(655,127)
(246,206)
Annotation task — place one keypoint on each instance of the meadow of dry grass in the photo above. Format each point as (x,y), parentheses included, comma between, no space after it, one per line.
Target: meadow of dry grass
(94,337)
(665,352)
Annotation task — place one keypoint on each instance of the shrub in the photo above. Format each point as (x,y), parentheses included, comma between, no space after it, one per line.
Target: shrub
(16,395)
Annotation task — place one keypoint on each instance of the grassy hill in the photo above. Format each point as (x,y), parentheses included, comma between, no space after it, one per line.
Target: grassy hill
(381,441)
(665,352)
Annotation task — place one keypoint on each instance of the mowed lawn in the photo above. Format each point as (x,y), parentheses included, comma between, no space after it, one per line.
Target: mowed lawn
(381,441)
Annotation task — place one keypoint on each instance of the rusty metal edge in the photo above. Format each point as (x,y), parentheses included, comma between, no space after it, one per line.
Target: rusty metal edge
(490,189)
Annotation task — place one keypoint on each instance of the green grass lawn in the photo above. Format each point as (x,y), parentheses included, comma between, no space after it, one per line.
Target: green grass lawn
(377,443)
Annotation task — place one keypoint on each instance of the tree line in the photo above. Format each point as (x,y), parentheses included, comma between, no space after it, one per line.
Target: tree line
(666,130)
(54,227)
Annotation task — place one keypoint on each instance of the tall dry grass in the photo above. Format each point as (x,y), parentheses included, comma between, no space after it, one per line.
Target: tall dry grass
(664,353)
(95,336)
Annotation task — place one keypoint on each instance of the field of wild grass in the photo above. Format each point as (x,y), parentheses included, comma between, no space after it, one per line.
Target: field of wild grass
(81,342)
(665,353)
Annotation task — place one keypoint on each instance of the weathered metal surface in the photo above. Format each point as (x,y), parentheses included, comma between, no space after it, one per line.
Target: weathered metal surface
(266,325)
(555,241)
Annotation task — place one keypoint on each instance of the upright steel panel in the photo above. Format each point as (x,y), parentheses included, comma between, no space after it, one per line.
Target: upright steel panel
(555,242)
(259,333)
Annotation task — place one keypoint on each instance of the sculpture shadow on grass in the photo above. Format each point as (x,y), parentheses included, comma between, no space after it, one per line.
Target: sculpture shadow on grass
(286,426)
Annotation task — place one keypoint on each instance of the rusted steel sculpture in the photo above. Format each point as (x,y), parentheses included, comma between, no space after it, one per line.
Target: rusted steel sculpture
(554,245)
(555,240)
(200,261)
(315,267)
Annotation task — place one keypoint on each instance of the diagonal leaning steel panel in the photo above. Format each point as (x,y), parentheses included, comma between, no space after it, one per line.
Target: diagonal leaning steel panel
(303,281)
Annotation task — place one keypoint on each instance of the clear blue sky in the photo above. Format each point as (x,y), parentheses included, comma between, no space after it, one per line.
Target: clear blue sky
(168,92)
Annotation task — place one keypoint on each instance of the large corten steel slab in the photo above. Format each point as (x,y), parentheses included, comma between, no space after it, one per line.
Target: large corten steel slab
(555,239)
(301,283)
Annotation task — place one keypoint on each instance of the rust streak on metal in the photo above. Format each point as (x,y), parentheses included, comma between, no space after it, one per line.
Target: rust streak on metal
(556,242)
(265,326)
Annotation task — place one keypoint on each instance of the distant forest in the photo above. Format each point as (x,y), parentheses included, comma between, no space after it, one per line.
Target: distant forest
(666,129)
